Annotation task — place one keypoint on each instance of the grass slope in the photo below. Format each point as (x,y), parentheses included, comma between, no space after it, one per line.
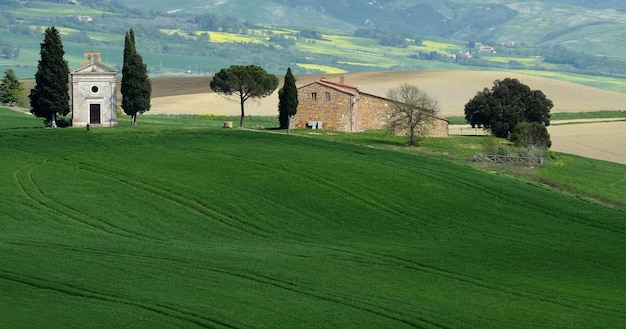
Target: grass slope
(191,226)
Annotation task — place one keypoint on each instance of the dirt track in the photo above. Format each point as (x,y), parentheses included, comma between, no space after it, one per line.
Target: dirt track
(606,141)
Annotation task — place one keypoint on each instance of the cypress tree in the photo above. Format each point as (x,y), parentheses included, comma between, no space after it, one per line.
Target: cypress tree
(287,100)
(136,86)
(50,96)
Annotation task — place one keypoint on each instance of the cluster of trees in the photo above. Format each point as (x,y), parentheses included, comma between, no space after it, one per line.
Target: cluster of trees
(310,34)
(386,37)
(11,89)
(282,40)
(510,109)
(10,49)
(49,99)
(213,22)
(585,63)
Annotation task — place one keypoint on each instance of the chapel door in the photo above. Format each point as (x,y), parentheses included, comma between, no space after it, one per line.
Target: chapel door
(94,114)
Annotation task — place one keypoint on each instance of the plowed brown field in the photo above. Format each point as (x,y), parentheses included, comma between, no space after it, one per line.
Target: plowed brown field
(451,88)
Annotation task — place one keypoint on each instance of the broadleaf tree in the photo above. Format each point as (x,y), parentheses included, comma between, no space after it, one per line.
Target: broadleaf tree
(11,89)
(412,109)
(287,101)
(508,103)
(246,82)
(50,97)
(136,86)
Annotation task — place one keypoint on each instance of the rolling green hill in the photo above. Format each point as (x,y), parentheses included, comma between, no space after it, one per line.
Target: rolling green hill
(193,226)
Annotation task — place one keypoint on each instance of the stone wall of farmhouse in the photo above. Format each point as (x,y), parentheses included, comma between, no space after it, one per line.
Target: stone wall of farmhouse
(334,113)
(372,112)
(333,109)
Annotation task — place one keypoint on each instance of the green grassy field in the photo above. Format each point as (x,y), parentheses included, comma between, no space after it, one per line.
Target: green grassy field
(193,226)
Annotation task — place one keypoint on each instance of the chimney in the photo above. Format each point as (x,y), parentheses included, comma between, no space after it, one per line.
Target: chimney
(342,80)
(93,57)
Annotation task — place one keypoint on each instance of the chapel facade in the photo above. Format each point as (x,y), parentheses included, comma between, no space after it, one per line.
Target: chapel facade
(94,93)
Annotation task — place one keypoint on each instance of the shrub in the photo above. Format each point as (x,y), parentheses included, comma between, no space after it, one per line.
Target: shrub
(531,134)
(497,146)
(63,122)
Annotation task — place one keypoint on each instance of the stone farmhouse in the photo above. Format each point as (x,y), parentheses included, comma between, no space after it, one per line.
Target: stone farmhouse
(94,93)
(325,104)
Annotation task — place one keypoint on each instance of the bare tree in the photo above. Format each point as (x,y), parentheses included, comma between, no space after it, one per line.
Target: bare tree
(411,111)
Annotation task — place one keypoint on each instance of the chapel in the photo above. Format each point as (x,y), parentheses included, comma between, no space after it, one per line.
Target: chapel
(94,93)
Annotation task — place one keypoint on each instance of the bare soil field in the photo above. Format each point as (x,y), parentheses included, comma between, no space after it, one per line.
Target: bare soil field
(597,140)
(453,89)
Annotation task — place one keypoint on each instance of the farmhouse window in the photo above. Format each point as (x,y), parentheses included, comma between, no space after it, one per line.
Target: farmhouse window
(314,96)
(327,96)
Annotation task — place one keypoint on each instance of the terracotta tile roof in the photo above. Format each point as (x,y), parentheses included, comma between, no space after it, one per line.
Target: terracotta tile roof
(351,90)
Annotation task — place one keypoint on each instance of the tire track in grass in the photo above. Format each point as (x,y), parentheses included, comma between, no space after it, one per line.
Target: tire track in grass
(411,320)
(573,304)
(189,203)
(517,292)
(573,216)
(29,188)
(347,193)
(568,303)
(81,292)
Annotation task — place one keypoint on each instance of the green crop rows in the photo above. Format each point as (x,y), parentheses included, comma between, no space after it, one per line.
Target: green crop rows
(195,226)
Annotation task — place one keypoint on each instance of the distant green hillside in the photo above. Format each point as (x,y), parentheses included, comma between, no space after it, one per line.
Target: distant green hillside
(202,227)
(199,38)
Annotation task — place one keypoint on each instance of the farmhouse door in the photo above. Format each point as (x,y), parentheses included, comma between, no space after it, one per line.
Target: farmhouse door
(94,114)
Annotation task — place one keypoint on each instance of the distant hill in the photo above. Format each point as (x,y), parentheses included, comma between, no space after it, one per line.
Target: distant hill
(200,37)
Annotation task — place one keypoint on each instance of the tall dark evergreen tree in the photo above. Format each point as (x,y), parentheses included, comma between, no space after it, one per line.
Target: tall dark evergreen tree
(136,86)
(287,100)
(50,98)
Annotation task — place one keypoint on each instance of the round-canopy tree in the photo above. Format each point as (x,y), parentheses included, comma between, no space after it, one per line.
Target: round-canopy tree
(505,105)
(50,96)
(247,82)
